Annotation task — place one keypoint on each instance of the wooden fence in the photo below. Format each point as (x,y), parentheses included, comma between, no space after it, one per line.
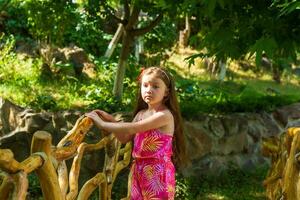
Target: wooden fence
(49,164)
(283,179)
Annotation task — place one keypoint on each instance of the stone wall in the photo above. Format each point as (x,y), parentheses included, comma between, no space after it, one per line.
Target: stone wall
(17,126)
(218,142)
(214,142)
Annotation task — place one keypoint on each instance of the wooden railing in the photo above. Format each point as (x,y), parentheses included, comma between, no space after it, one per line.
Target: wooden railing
(283,179)
(49,164)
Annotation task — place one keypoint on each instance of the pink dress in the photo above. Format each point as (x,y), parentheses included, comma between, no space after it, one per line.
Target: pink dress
(152,171)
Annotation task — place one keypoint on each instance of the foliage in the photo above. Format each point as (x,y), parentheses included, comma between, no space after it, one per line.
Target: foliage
(222,33)
(44,102)
(232,29)
(48,20)
(161,37)
(17,74)
(86,33)
(23,82)
(101,96)
(228,97)
(34,189)
(16,23)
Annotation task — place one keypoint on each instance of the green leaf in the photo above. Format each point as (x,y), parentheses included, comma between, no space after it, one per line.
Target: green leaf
(287,8)
(211,5)
(267,45)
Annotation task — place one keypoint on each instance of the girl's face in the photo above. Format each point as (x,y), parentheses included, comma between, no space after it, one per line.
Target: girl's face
(153,89)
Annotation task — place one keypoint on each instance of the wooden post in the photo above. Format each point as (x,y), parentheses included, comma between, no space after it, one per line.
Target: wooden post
(63,180)
(6,186)
(21,185)
(9,164)
(74,172)
(41,142)
(7,161)
(90,186)
(291,176)
(45,160)
(33,162)
(67,147)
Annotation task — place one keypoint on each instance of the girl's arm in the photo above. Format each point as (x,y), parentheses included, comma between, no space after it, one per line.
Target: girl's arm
(157,120)
(124,138)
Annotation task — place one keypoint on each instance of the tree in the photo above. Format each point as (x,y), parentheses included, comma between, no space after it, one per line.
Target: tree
(130,21)
(48,20)
(233,29)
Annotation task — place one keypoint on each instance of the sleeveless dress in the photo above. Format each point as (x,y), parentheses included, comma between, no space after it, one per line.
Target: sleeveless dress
(152,171)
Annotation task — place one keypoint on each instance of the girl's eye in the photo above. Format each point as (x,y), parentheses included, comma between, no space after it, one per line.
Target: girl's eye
(155,86)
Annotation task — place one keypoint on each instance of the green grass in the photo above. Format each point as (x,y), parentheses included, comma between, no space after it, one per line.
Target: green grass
(233,184)
(24,81)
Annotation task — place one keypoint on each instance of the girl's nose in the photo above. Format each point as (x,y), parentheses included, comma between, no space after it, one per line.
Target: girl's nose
(149,90)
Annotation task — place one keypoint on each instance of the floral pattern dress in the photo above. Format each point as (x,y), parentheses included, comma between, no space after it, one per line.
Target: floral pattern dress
(152,171)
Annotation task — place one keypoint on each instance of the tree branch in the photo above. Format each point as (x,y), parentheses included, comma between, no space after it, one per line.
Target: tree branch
(126,10)
(118,19)
(110,12)
(142,31)
(134,17)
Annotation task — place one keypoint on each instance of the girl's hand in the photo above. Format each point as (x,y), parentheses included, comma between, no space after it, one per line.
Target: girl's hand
(96,118)
(105,116)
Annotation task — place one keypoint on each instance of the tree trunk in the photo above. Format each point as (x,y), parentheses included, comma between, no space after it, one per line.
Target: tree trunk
(131,17)
(113,43)
(139,48)
(185,34)
(118,84)
(223,69)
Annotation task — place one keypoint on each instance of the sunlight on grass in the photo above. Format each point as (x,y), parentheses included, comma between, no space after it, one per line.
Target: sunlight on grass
(178,63)
(269,86)
(23,83)
(258,195)
(20,96)
(215,197)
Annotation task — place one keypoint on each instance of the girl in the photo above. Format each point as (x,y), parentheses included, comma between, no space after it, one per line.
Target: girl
(157,131)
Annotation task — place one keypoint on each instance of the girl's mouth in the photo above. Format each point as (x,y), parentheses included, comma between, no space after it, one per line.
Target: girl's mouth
(148,97)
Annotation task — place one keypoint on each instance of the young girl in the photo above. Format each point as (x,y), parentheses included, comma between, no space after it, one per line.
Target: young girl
(157,131)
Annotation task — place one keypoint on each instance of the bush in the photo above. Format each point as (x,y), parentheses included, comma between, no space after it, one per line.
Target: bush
(227,97)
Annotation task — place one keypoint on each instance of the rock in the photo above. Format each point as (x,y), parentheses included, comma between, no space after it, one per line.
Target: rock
(216,127)
(8,116)
(216,142)
(287,113)
(198,142)
(69,61)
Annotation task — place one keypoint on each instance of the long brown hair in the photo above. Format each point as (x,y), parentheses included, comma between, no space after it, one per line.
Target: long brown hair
(179,147)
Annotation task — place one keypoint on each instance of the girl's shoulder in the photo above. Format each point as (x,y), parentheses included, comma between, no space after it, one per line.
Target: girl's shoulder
(139,115)
(169,114)
(141,112)
(166,111)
